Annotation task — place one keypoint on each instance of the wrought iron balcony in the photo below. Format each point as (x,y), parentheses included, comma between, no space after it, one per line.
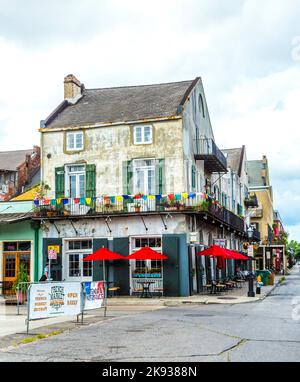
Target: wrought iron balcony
(251,200)
(256,213)
(214,160)
(256,234)
(113,206)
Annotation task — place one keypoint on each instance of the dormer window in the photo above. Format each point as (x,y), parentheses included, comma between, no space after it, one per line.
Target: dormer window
(75,141)
(143,135)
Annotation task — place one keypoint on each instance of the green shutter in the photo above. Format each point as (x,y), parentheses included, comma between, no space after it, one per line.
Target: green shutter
(59,182)
(127,177)
(160,176)
(193,177)
(90,191)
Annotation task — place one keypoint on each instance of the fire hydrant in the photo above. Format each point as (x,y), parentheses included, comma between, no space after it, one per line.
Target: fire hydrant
(258,284)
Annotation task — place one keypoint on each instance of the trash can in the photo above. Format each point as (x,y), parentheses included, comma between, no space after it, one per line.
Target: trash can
(271,278)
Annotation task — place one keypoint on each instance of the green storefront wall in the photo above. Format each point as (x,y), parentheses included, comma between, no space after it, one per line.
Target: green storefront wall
(26,230)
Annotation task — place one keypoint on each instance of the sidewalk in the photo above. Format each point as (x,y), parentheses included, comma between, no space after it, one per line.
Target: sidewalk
(234,296)
(13,329)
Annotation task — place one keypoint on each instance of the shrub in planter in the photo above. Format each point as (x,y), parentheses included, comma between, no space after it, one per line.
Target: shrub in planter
(19,287)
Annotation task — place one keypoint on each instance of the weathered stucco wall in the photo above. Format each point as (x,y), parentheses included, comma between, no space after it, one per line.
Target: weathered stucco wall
(108,147)
(195,118)
(265,203)
(120,227)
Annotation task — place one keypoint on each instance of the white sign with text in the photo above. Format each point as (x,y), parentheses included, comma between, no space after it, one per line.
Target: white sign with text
(54,299)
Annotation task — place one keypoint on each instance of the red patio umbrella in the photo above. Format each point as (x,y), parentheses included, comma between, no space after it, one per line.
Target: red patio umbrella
(146,253)
(214,251)
(236,255)
(103,254)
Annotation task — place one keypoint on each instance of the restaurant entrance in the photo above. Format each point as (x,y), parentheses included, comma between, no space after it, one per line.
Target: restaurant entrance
(14,254)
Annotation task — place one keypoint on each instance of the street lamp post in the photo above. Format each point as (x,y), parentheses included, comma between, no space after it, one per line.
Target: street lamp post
(251,292)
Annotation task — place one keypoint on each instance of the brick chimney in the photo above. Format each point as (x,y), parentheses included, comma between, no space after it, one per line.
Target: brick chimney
(72,87)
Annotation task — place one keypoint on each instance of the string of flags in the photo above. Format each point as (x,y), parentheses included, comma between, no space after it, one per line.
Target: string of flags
(119,198)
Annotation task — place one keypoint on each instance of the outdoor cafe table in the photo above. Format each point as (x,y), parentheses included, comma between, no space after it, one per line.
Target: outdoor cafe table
(146,288)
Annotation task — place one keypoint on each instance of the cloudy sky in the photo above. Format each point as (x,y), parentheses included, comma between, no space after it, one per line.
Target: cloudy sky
(246,51)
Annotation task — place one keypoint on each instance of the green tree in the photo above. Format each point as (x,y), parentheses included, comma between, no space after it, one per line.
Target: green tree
(294,246)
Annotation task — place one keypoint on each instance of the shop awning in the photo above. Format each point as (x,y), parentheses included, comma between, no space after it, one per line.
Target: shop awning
(14,217)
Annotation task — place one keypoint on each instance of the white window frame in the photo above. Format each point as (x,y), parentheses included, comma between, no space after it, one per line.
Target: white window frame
(81,253)
(67,178)
(75,148)
(143,141)
(152,167)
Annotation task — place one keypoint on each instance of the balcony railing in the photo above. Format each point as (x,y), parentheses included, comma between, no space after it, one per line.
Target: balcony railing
(256,234)
(251,201)
(214,160)
(256,213)
(197,203)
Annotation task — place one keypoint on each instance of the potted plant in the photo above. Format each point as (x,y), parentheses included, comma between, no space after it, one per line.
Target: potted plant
(137,207)
(20,285)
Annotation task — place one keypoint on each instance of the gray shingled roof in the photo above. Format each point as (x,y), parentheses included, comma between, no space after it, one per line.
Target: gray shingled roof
(233,158)
(130,103)
(10,160)
(254,168)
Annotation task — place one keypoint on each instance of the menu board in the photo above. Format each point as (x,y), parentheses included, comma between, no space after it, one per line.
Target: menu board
(54,299)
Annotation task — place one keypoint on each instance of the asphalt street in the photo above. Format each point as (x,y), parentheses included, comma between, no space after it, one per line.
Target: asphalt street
(268,330)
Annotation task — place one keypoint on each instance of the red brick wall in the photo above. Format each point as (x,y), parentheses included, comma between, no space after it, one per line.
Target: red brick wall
(28,168)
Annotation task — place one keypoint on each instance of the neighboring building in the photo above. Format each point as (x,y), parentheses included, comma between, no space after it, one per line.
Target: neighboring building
(262,217)
(259,182)
(128,167)
(231,189)
(18,170)
(20,242)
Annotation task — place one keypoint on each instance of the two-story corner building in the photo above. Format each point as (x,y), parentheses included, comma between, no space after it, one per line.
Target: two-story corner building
(127,167)
(19,170)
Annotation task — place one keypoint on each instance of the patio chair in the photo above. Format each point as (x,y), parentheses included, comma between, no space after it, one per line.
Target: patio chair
(113,290)
(159,290)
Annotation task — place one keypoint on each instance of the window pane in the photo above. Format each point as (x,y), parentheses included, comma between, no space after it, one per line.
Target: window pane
(76,168)
(147,134)
(70,139)
(11,246)
(86,244)
(73,186)
(144,242)
(24,246)
(87,267)
(25,259)
(152,242)
(79,141)
(81,186)
(151,182)
(138,135)
(139,187)
(74,268)
(10,266)
(137,243)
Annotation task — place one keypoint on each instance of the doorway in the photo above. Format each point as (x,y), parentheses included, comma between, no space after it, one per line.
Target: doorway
(15,254)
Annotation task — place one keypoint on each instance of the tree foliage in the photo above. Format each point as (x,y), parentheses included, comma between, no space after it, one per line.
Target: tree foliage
(294,246)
